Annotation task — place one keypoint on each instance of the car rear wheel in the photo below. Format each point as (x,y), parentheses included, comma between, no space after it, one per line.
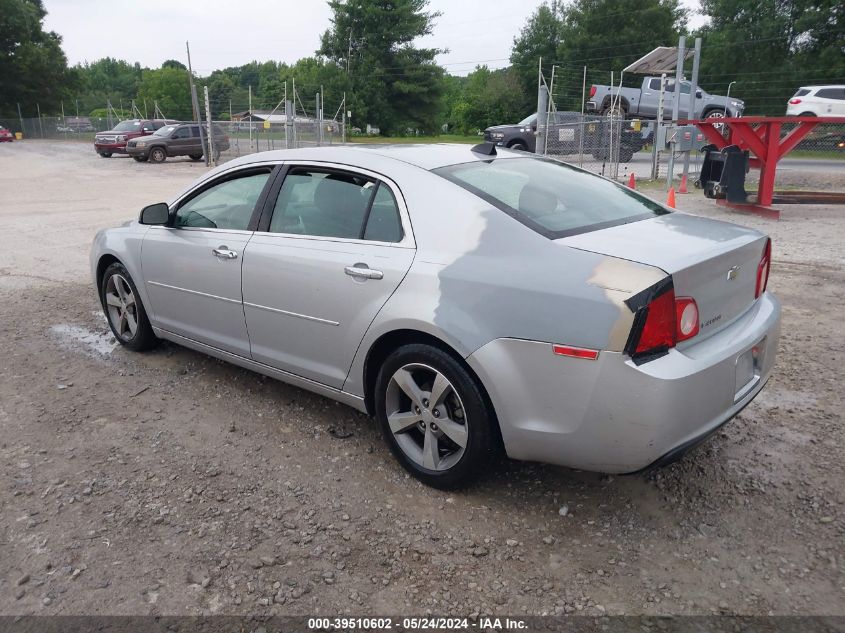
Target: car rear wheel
(105,154)
(195,156)
(807,114)
(158,155)
(434,416)
(124,311)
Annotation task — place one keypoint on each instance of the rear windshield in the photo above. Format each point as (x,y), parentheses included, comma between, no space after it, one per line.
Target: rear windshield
(553,198)
(803,92)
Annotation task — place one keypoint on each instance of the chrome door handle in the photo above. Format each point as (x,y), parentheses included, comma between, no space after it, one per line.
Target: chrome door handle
(362,271)
(223,252)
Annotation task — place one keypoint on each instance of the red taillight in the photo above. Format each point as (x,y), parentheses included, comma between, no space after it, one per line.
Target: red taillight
(658,332)
(686,315)
(592,91)
(661,324)
(795,101)
(763,269)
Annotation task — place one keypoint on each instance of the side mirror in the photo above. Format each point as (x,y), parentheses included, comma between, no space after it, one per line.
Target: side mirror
(698,94)
(156,214)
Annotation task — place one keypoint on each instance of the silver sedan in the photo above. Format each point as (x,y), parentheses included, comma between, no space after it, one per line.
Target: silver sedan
(468,300)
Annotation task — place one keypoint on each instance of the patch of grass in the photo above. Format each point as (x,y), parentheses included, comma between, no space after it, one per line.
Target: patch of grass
(814,153)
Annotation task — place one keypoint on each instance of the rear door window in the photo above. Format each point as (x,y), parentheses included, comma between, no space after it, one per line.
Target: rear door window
(831,93)
(327,203)
(554,199)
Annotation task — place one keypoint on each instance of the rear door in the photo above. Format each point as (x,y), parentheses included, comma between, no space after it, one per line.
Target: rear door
(332,246)
(192,270)
(831,101)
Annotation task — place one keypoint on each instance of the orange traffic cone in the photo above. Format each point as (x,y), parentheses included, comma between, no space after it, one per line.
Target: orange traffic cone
(683,187)
(670,199)
(632,182)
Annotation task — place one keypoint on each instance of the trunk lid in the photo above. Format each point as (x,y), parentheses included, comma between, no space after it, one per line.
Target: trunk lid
(713,262)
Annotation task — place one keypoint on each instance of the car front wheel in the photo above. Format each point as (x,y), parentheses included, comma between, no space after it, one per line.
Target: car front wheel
(124,311)
(158,155)
(434,416)
(105,154)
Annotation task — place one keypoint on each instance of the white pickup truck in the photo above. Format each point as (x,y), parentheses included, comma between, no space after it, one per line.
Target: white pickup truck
(641,103)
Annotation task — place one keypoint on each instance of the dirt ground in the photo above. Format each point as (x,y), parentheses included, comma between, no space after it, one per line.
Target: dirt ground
(171,483)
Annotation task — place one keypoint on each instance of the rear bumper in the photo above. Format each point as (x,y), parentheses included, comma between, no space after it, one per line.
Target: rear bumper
(610,415)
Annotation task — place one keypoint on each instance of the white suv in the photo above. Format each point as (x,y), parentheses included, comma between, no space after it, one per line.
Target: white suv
(817,101)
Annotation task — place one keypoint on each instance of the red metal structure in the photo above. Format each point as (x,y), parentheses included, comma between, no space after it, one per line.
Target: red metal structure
(761,136)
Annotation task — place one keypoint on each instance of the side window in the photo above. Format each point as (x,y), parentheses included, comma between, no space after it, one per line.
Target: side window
(182,132)
(831,93)
(670,85)
(322,203)
(654,84)
(227,205)
(147,126)
(383,223)
(195,131)
(685,88)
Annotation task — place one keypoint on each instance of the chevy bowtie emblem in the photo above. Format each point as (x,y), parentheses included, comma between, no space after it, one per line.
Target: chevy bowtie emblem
(733,273)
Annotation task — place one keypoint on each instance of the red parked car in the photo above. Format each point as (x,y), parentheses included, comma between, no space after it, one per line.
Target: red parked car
(114,141)
(6,135)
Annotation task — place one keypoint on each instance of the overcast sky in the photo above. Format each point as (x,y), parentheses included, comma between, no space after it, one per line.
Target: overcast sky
(224,33)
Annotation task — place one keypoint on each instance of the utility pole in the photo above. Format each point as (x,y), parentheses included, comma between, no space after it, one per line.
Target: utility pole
(20,117)
(542,108)
(679,75)
(194,103)
(692,97)
(250,118)
(349,53)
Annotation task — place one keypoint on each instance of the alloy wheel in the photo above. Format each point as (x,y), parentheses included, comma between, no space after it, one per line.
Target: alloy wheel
(121,307)
(426,417)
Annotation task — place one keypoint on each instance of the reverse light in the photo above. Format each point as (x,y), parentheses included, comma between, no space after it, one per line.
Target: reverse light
(592,91)
(686,311)
(763,269)
(794,101)
(575,352)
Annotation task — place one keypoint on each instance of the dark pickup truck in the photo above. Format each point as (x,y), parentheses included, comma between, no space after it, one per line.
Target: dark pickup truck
(565,136)
(181,139)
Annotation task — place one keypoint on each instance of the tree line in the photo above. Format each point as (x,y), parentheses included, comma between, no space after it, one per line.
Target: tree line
(767,48)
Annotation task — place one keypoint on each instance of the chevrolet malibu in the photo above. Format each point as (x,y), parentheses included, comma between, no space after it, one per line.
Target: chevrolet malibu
(467,299)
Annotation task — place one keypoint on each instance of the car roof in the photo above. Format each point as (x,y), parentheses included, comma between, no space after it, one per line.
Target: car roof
(819,87)
(426,156)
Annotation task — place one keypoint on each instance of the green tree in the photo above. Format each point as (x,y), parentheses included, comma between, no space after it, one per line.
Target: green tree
(33,67)
(771,47)
(606,36)
(393,84)
(539,39)
(168,86)
(104,80)
(488,98)
(172,63)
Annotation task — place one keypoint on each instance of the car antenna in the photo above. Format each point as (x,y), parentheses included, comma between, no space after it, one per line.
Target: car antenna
(488,149)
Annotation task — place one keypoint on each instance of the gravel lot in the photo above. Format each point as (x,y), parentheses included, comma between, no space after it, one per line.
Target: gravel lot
(171,483)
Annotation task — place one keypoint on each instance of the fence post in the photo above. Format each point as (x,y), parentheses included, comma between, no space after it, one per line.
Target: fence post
(343,119)
(40,122)
(542,106)
(210,131)
(20,116)
(692,91)
(679,75)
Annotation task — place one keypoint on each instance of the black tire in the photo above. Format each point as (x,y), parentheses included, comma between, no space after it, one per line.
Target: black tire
(143,337)
(519,146)
(195,156)
(140,159)
(478,416)
(105,154)
(158,154)
(807,114)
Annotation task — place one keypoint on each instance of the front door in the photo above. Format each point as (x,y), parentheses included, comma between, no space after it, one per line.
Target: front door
(334,249)
(192,270)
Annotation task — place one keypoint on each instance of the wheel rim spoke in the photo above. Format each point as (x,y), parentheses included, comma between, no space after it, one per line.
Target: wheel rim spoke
(407,384)
(131,322)
(439,390)
(118,286)
(113,300)
(454,431)
(402,421)
(431,454)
